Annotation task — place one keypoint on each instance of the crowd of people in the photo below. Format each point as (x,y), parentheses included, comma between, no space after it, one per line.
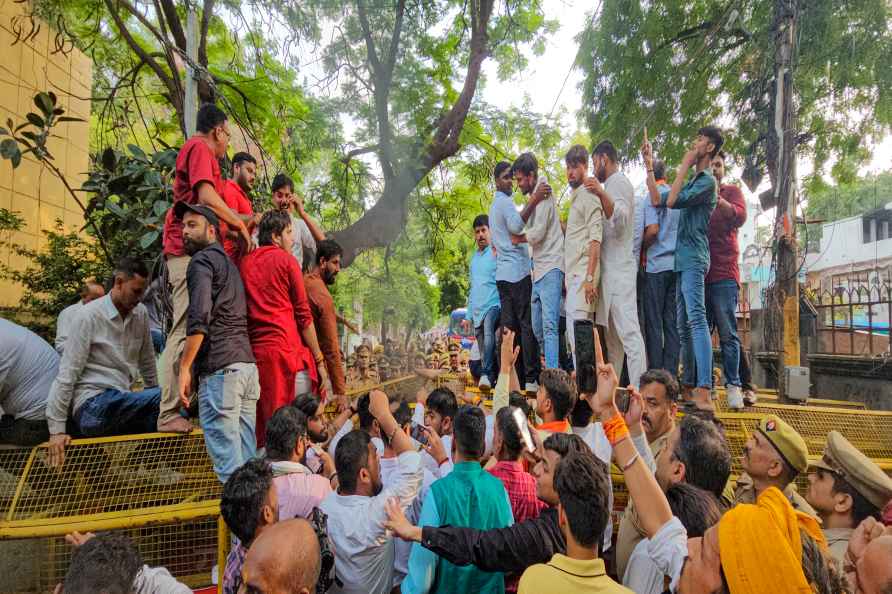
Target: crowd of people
(454,496)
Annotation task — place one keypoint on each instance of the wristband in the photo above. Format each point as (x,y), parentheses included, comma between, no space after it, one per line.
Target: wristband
(628,464)
(615,429)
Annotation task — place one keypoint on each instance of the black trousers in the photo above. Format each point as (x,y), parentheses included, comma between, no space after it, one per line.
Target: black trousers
(23,432)
(516,299)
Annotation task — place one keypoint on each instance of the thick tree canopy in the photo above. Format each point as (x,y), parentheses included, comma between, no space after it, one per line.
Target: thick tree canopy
(673,66)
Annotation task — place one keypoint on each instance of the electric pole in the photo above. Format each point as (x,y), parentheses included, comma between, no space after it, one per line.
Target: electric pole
(782,170)
(190,106)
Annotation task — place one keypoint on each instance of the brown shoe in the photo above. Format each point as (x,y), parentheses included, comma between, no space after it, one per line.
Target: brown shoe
(176,425)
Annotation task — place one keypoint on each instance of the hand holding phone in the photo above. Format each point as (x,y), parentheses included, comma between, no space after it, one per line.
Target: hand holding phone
(419,434)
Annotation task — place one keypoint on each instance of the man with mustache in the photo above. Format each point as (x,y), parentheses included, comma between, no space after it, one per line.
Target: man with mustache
(328,265)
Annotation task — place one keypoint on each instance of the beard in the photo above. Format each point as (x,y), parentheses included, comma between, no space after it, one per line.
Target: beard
(329,277)
(377,487)
(193,246)
(317,437)
(575,184)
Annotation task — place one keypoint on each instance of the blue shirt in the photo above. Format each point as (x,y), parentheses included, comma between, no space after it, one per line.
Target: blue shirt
(661,253)
(696,200)
(512,261)
(484,295)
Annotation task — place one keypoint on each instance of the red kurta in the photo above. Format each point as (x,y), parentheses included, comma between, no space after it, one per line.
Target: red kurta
(277,309)
(238,202)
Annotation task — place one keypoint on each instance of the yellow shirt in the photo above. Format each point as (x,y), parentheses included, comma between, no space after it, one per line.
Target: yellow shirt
(563,575)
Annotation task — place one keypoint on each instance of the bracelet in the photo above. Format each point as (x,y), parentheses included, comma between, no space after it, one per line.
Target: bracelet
(332,476)
(628,464)
(615,429)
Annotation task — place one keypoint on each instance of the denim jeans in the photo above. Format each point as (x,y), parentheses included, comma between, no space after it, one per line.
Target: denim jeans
(546,314)
(661,332)
(227,407)
(114,412)
(721,312)
(486,342)
(158,341)
(693,331)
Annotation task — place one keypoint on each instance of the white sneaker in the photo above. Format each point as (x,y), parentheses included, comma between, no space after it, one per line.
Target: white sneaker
(532,387)
(735,397)
(484,383)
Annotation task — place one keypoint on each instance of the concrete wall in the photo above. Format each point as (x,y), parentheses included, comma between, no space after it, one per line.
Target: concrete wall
(31,189)
(842,245)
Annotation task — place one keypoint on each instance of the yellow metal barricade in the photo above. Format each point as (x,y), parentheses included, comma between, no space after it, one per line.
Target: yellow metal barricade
(159,489)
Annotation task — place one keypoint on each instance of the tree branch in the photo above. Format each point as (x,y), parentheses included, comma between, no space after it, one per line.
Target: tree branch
(174,23)
(358,151)
(206,13)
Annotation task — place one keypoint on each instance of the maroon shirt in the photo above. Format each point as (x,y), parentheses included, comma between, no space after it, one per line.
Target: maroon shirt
(195,163)
(724,250)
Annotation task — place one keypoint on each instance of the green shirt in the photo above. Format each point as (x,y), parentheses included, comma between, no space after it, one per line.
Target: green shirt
(696,200)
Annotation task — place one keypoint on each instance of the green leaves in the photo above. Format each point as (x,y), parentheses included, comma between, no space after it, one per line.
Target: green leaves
(9,149)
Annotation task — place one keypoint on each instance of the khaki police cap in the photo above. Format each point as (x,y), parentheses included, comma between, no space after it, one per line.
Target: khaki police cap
(862,473)
(786,441)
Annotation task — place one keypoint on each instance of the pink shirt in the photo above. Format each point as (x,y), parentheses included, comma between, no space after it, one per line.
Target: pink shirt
(299,491)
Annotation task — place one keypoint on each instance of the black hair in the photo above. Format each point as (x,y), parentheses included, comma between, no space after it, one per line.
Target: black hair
(581,415)
(526,163)
(362,410)
(284,428)
(243,157)
(403,416)
(583,489)
(500,168)
(130,267)
(703,451)
(696,509)
(723,156)
(661,376)
(469,431)
(558,389)
(106,563)
(280,181)
(861,507)
(244,494)
(659,169)
(715,137)
(351,456)
(273,222)
(577,155)
(442,401)
(564,443)
(605,147)
(209,117)
(328,249)
(307,403)
(518,400)
(512,440)
(481,220)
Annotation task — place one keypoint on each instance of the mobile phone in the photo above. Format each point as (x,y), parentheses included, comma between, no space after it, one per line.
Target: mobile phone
(419,433)
(524,427)
(584,339)
(314,462)
(623,398)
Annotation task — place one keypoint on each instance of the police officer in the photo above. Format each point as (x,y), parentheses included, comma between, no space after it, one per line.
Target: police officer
(773,456)
(845,487)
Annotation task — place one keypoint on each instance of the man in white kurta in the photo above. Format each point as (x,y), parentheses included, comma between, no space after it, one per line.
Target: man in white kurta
(617,310)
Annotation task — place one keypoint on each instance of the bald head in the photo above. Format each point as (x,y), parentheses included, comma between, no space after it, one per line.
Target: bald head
(284,559)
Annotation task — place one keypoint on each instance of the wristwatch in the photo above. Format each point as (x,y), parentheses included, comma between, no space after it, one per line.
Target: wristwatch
(589,278)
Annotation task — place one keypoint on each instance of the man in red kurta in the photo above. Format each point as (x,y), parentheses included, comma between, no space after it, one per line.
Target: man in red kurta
(196,181)
(235,195)
(280,324)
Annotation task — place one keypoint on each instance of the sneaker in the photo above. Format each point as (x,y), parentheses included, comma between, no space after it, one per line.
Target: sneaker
(484,384)
(532,387)
(750,398)
(735,397)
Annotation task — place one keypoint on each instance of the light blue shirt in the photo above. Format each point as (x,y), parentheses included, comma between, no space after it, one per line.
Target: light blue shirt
(512,261)
(423,562)
(484,295)
(661,253)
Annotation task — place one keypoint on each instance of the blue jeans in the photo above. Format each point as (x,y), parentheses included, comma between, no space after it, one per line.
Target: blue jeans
(693,331)
(486,342)
(546,314)
(227,407)
(721,312)
(114,412)
(661,330)
(158,340)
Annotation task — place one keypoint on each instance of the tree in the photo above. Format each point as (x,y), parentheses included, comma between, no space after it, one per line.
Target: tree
(831,203)
(675,65)
(398,80)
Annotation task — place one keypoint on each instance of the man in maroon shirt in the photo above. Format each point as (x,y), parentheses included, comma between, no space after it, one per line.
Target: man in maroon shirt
(235,195)
(280,324)
(723,278)
(196,181)
(328,264)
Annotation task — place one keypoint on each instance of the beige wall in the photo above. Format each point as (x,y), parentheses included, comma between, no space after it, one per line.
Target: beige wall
(31,189)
